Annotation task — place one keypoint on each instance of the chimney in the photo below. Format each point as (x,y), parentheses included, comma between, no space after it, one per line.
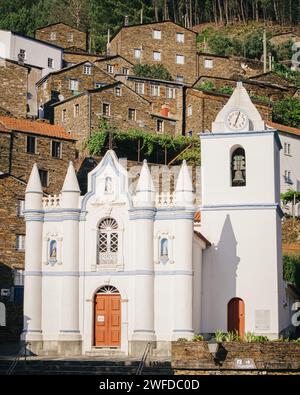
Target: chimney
(126,21)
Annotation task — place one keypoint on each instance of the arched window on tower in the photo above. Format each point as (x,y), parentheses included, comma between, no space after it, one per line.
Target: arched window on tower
(238,167)
(108,241)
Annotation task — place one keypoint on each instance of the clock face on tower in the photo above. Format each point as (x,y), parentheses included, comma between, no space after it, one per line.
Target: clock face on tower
(237,120)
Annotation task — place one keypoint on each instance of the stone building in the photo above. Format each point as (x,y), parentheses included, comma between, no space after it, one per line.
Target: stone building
(67,82)
(128,269)
(167,98)
(23,143)
(74,56)
(201,108)
(63,35)
(18,94)
(227,66)
(118,104)
(115,65)
(159,43)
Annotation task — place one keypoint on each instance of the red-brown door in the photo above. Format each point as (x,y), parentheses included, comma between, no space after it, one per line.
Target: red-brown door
(107,320)
(236,316)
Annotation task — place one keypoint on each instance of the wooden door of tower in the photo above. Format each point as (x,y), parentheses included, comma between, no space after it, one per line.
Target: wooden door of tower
(236,316)
(107,320)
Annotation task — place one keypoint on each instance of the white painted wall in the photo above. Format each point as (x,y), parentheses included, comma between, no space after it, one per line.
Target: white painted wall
(5,44)
(290,162)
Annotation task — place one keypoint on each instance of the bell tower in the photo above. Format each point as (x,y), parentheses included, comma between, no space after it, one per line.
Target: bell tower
(241,217)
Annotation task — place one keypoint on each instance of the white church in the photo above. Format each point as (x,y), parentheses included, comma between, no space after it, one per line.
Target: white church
(116,270)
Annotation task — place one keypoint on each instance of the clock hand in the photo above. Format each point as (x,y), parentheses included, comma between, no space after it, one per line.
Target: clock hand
(237,118)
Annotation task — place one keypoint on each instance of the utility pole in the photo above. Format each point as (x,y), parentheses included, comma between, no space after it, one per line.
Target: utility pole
(265,50)
(142,16)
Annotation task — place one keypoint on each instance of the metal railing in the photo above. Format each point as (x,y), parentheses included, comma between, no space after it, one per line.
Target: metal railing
(143,360)
(22,351)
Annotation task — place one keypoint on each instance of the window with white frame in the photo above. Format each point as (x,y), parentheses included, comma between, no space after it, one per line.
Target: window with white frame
(190,111)
(70,37)
(140,88)
(50,63)
(287,149)
(180,37)
(118,91)
(125,70)
(20,208)
(106,109)
(87,69)
(108,241)
(287,177)
(179,78)
(170,93)
(131,114)
(56,149)
(53,36)
(180,59)
(20,242)
(157,34)
(137,53)
(74,85)
(156,56)
(154,90)
(110,68)
(160,126)
(208,63)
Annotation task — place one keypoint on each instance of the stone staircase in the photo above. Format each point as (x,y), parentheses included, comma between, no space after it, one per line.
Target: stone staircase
(84,366)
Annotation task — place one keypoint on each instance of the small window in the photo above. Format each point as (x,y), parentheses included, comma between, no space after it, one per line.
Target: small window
(137,53)
(287,177)
(106,109)
(73,85)
(179,78)
(53,36)
(20,242)
(160,126)
(125,71)
(20,208)
(22,54)
(44,177)
(118,91)
(63,115)
(180,37)
(110,68)
(287,149)
(76,110)
(56,149)
(50,63)
(140,88)
(157,56)
(157,34)
(238,168)
(131,114)
(70,37)
(87,69)
(180,59)
(190,111)
(208,63)
(170,93)
(100,84)
(31,145)
(155,90)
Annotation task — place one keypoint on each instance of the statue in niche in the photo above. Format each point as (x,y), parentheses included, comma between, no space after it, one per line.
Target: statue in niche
(108,185)
(164,249)
(53,249)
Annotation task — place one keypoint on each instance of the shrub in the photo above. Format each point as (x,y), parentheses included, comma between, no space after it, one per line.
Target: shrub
(159,72)
(198,338)
(219,336)
(291,269)
(231,336)
(287,112)
(206,86)
(182,339)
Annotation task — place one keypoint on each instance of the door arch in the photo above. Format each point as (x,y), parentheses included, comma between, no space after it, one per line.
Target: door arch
(107,317)
(236,316)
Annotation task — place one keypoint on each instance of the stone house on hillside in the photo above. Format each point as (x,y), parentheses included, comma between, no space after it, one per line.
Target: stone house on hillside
(159,43)
(68,82)
(63,35)
(117,103)
(18,93)
(23,143)
(114,65)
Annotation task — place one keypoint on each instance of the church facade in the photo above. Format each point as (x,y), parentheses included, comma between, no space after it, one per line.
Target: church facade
(116,270)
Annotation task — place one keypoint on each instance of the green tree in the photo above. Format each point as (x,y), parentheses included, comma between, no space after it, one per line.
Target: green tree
(159,72)
(287,112)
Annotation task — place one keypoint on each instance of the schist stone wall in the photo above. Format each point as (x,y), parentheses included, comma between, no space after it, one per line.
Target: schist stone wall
(71,57)
(203,107)
(143,38)
(236,358)
(13,82)
(62,35)
(115,65)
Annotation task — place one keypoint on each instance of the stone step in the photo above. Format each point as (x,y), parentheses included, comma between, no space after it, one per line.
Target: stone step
(105,352)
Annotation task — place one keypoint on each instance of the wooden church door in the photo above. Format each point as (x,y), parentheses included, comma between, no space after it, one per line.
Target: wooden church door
(236,316)
(107,320)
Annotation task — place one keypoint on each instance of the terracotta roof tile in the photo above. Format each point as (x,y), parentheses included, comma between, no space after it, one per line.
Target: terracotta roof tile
(34,127)
(283,128)
(197,217)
